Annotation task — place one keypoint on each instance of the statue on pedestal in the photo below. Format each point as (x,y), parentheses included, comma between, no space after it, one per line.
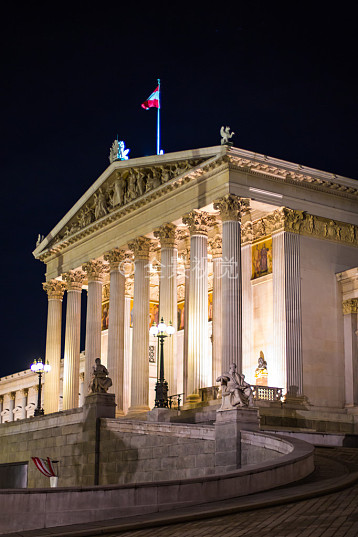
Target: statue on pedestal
(100,381)
(261,371)
(236,392)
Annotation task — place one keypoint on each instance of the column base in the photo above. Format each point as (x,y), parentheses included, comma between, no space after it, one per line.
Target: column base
(138,412)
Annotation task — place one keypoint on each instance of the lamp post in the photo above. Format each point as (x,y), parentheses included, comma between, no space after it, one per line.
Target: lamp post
(161,387)
(39,367)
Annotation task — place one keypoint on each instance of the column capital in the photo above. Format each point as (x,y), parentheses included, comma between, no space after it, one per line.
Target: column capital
(216,246)
(94,270)
(350,306)
(116,258)
(55,289)
(140,247)
(197,222)
(12,396)
(24,391)
(231,207)
(167,235)
(74,280)
(1,399)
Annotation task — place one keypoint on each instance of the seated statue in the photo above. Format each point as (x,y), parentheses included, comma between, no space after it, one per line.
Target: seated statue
(261,371)
(100,381)
(235,390)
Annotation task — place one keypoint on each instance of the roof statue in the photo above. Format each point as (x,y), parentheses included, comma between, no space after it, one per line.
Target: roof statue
(118,151)
(226,135)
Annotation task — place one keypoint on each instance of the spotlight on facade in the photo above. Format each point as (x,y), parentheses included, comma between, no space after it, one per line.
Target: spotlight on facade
(161,387)
(40,368)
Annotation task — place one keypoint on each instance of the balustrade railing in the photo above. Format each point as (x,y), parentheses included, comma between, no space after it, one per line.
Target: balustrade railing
(267,393)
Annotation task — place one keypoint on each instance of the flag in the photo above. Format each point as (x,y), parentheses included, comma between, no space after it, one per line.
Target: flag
(45,466)
(153,100)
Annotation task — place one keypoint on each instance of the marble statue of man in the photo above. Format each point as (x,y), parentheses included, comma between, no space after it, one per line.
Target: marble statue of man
(100,381)
(235,390)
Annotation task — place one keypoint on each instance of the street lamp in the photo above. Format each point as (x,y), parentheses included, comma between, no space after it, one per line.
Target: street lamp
(38,367)
(161,388)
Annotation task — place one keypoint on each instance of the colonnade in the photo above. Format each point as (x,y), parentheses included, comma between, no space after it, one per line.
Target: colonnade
(198,370)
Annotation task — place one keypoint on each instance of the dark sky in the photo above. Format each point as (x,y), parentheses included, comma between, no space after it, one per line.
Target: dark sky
(281,75)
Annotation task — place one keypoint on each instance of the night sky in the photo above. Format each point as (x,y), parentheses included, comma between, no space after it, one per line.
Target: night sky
(281,75)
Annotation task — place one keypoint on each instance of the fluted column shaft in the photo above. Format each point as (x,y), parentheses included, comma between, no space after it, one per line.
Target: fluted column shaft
(186,325)
(217,318)
(140,334)
(350,311)
(55,290)
(115,356)
(247,313)
(12,405)
(168,306)
(287,364)
(231,208)
(72,340)
(94,270)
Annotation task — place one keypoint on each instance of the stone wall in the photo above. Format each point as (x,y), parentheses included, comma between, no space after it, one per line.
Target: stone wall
(139,451)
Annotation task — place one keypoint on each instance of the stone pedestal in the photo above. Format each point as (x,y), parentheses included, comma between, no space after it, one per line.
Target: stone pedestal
(99,405)
(228,425)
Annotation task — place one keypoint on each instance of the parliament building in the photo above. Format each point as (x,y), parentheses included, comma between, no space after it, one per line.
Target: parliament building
(253,260)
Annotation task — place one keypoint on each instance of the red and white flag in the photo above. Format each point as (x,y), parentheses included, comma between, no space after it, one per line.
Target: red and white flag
(45,466)
(153,100)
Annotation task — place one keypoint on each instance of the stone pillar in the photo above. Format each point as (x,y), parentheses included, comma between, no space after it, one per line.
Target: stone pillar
(140,334)
(199,370)
(94,272)
(247,311)
(115,356)
(82,389)
(350,311)
(55,290)
(168,306)
(216,248)
(287,364)
(71,368)
(231,208)
(12,405)
(23,403)
(1,406)
(186,257)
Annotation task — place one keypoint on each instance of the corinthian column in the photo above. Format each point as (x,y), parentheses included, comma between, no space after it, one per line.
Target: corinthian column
(71,368)
(140,334)
(350,311)
(168,298)
(94,272)
(216,248)
(199,368)
(115,356)
(55,290)
(231,208)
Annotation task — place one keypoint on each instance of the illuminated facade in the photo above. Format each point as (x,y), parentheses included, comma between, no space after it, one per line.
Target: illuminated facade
(244,253)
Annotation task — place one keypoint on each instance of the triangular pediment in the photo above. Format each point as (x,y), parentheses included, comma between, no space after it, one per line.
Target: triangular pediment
(121,187)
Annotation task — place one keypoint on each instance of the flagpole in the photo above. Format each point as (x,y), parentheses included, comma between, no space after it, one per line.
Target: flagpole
(158,121)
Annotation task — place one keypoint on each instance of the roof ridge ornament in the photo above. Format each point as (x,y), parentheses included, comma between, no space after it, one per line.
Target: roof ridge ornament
(118,151)
(226,135)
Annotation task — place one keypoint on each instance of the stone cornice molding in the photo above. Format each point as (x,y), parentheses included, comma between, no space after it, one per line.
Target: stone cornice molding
(74,280)
(167,235)
(55,289)
(197,222)
(94,270)
(231,207)
(140,248)
(324,182)
(302,223)
(116,259)
(350,306)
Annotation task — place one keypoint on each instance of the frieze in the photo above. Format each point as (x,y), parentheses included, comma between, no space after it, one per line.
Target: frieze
(350,306)
(303,223)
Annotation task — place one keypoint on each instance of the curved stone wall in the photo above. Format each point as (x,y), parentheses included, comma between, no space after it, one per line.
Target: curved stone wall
(35,509)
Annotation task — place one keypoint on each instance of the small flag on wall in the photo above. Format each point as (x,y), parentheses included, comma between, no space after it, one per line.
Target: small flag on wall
(45,466)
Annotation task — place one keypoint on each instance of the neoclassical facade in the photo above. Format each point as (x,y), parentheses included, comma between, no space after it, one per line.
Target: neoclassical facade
(245,254)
